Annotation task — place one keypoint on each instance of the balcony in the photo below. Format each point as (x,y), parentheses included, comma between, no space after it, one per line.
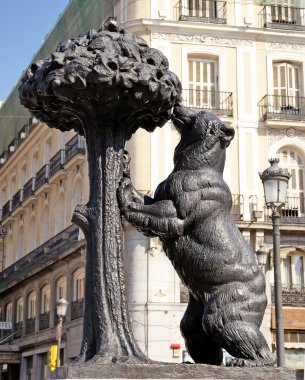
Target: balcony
(6,209)
(280,107)
(57,162)
(77,308)
(42,176)
(237,207)
(37,259)
(17,199)
(218,102)
(293,295)
(207,11)
(30,325)
(292,213)
(282,17)
(28,189)
(44,320)
(18,329)
(74,147)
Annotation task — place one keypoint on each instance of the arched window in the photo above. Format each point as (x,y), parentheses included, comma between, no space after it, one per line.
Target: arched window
(31,305)
(60,213)
(32,234)
(9,251)
(292,161)
(45,225)
(45,298)
(61,288)
(35,164)
(20,245)
(19,310)
(78,284)
(9,312)
(77,194)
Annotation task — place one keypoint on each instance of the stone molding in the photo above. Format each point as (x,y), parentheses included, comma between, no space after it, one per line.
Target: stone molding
(285,46)
(275,135)
(202,39)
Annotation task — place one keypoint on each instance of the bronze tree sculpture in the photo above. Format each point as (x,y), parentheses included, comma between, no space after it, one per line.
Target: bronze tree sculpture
(105,84)
(190,212)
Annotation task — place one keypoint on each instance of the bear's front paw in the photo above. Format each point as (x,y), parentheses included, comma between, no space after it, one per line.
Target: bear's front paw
(124,193)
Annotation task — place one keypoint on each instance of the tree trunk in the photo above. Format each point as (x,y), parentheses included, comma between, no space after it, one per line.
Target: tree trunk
(106,334)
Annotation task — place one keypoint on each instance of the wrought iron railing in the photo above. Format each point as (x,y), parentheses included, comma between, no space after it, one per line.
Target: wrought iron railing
(292,295)
(28,188)
(202,11)
(42,176)
(30,325)
(74,147)
(237,209)
(44,320)
(293,211)
(282,107)
(282,17)
(57,162)
(18,329)
(77,308)
(6,209)
(219,102)
(17,199)
(60,243)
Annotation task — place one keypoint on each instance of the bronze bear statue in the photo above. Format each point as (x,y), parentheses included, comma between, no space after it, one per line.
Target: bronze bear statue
(190,213)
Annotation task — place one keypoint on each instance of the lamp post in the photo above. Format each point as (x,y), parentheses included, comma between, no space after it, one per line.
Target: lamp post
(61,307)
(275,181)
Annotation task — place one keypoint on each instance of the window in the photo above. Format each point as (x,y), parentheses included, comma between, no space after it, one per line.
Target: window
(293,270)
(31,305)
(293,162)
(22,175)
(32,234)
(77,194)
(286,86)
(48,151)
(202,8)
(20,250)
(9,312)
(61,288)
(35,164)
(19,310)
(9,254)
(45,299)
(60,213)
(202,91)
(285,14)
(45,225)
(78,284)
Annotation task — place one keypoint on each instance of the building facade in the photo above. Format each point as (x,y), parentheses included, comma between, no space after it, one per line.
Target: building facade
(242,60)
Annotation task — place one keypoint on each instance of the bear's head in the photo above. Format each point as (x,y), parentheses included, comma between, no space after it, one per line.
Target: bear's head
(204,137)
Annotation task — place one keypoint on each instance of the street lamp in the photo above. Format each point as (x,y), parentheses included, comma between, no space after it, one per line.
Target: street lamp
(61,307)
(275,181)
(262,256)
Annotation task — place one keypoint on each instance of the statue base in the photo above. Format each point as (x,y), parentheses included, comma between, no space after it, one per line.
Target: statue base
(171,371)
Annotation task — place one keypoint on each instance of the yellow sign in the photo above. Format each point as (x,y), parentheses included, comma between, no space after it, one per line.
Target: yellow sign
(52,358)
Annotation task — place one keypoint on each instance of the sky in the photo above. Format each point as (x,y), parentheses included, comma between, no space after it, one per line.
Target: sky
(23,26)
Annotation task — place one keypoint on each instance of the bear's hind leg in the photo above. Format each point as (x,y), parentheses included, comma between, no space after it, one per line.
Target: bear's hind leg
(200,346)
(246,343)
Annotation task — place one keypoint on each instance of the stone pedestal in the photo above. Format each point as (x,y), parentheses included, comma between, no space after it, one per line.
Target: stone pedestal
(171,371)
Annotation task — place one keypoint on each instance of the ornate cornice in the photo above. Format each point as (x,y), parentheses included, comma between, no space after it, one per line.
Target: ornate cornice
(285,46)
(202,39)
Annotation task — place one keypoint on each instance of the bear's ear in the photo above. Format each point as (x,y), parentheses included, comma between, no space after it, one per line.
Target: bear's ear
(226,134)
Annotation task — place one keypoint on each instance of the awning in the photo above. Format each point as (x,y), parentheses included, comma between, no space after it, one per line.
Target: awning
(9,354)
